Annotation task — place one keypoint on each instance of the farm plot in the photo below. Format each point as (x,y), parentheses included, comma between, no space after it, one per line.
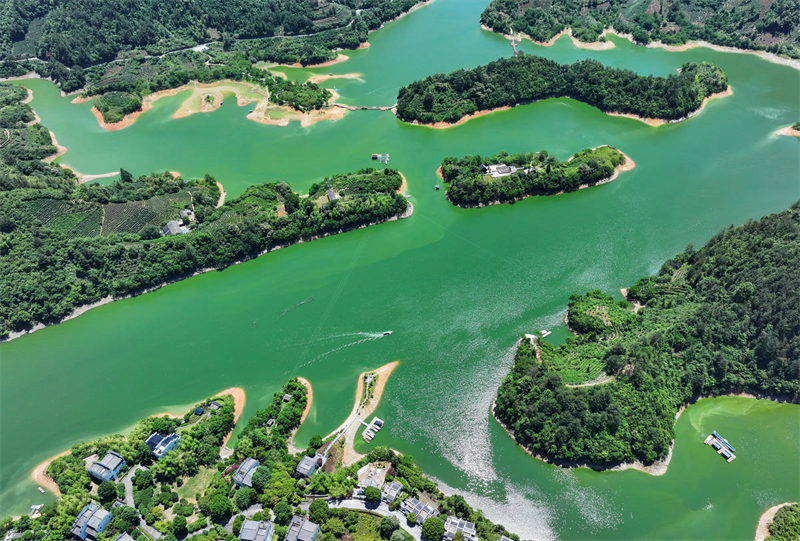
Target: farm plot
(132,216)
(69,218)
(582,363)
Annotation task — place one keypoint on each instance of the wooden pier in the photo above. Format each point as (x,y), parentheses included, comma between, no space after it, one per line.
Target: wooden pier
(720,448)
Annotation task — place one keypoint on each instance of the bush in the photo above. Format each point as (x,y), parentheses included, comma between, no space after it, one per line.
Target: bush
(372,494)
(433,529)
(318,511)
(283,513)
(388,526)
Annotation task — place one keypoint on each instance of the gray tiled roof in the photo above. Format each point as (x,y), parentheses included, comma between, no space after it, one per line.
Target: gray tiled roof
(253,530)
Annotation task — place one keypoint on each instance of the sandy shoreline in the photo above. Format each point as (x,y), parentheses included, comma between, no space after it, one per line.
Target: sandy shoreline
(106,300)
(40,477)
(404,186)
(762,529)
(788,131)
(29,98)
(60,150)
(309,399)
(363,411)
(339,58)
(239,399)
(594,46)
(316,79)
(222,195)
(659,467)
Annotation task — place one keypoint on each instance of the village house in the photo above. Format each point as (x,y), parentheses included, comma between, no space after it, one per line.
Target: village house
(253,530)
(175,227)
(244,473)
(391,492)
(308,465)
(301,529)
(108,468)
(123,537)
(160,445)
(499,170)
(453,525)
(423,511)
(91,521)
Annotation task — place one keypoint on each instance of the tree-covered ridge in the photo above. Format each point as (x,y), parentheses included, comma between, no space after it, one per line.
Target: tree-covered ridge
(191,490)
(60,249)
(534,173)
(748,24)
(23,144)
(785,525)
(722,319)
(85,32)
(526,78)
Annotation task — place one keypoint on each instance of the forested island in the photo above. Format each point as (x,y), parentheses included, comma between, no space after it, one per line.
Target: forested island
(773,27)
(722,319)
(506,178)
(508,82)
(65,245)
(195,491)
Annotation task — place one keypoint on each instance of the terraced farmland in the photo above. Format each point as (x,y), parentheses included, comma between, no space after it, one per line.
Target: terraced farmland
(132,216)
(582,363)
(68,217)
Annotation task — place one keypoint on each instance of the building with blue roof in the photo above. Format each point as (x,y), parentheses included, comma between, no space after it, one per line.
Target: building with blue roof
(244,473)
(108,468)
(161,445)
(91,521)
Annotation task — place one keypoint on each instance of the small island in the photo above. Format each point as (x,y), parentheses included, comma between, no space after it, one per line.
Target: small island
(791,131)
(443,100)
(712,323)
(172,477)
(506,178)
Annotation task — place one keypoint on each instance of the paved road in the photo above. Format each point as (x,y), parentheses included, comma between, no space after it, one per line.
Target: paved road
(382,510)
(128,482)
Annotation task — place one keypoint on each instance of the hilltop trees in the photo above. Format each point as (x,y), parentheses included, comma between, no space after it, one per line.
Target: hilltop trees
(526,78)
(722,319)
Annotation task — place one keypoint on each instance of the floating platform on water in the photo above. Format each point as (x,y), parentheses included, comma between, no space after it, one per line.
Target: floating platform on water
(371,429)
(721,446)
(545,334)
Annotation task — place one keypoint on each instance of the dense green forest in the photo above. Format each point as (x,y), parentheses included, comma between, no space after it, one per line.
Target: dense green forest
(23,146)
(60,249)
(746,24)
(86,32)
(785,526)
(526,78)
(722,319)
(532,173)
(63,245)
(194,485)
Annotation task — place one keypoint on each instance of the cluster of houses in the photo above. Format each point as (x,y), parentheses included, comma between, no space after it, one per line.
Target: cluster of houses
(300,529)
(93,519)
(176,227)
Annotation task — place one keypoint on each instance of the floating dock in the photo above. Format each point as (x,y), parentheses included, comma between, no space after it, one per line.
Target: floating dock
(721,446)
(371,429)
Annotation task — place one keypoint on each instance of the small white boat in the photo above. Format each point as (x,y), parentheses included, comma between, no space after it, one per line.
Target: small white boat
(387,333)
(40,489)
(546,334)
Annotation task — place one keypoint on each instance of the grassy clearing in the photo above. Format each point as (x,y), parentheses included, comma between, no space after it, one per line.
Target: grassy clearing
(196,485)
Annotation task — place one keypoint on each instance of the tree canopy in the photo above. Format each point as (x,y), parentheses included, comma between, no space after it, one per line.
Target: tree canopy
(722,319)
(526,78)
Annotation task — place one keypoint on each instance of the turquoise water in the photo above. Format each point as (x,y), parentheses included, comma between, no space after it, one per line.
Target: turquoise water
(457,286)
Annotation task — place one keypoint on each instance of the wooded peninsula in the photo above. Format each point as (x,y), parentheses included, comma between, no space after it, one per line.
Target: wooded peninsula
(65,245)
(508,82)
(506,178)
(720,320)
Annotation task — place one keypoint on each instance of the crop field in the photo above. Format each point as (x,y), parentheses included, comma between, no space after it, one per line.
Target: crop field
(132,216)
(583,363)
(72,219)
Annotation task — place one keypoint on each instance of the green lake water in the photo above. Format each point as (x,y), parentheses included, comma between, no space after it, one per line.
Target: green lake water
(457,286)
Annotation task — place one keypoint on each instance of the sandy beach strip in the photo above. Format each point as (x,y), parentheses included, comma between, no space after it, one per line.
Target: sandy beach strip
(788,131)
(222,194)
(364,45)
(441,125)
(762,530)
(316,79)
(29,97)
(40,477)
(60,150)
(309,398)
(404,186)
(83,99)
(655,122)
(593,46)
